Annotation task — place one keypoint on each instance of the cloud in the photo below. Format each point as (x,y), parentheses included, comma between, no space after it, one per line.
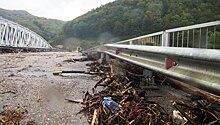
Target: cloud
(56,9)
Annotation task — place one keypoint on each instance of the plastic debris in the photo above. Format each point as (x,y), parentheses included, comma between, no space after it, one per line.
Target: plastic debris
(110,105)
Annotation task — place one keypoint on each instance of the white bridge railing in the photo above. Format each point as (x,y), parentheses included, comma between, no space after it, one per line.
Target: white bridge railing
(15,35)
(205,35)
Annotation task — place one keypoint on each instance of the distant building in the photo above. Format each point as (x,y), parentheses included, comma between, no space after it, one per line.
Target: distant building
(59,46)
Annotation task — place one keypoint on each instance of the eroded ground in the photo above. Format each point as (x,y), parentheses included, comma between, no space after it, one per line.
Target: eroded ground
(26,81)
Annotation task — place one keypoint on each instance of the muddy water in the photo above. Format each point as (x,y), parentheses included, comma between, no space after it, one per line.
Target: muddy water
(29,76)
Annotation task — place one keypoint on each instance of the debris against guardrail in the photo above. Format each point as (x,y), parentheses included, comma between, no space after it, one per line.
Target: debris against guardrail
(128,105)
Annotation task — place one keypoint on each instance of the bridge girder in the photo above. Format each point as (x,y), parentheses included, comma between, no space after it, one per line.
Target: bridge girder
(17,36)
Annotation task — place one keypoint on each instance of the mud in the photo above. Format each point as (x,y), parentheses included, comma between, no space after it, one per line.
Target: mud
(26,81)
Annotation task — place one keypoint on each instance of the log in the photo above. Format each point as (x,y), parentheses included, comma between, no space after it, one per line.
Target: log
(209,96)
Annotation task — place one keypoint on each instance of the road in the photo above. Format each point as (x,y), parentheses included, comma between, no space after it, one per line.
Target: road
(26,81)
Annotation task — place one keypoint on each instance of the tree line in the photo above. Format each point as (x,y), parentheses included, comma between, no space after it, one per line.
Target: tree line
(125,19)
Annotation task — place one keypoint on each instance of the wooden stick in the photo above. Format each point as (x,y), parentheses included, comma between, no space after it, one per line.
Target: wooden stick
(13,92)
(74,101)
(94,117)
(58,72)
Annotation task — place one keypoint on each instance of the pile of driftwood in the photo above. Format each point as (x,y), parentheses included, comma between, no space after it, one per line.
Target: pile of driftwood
(133,109)
(120,102)
(97,68)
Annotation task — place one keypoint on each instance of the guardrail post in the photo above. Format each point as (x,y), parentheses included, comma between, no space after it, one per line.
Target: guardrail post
(130,42)
(148,78)
(165,39)
(107,58)
(102,57)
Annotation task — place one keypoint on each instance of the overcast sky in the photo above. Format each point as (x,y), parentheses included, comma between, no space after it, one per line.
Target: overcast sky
(55,9)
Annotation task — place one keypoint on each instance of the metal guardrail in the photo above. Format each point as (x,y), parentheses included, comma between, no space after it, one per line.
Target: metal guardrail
(17,36)
(196,65)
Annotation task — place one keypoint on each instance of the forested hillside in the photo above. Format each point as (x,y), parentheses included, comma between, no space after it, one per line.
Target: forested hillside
(124,19)
(47,28)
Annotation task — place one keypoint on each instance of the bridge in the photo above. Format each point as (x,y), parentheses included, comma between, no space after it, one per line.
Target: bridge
(188,54)
(16,37)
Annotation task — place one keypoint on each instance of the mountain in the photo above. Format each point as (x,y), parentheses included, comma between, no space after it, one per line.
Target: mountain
(123,19)
(47,28)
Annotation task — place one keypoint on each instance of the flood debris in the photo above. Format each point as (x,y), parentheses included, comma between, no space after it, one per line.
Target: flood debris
(59,72)
(39,98)
(121,102)
(31,122)
(74,101)
(96,68)
(11,75)
(76,59)
(21,57)
(10,91)
(191,89)
(59,65)
(110,105)
(69,60)
(12,116)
